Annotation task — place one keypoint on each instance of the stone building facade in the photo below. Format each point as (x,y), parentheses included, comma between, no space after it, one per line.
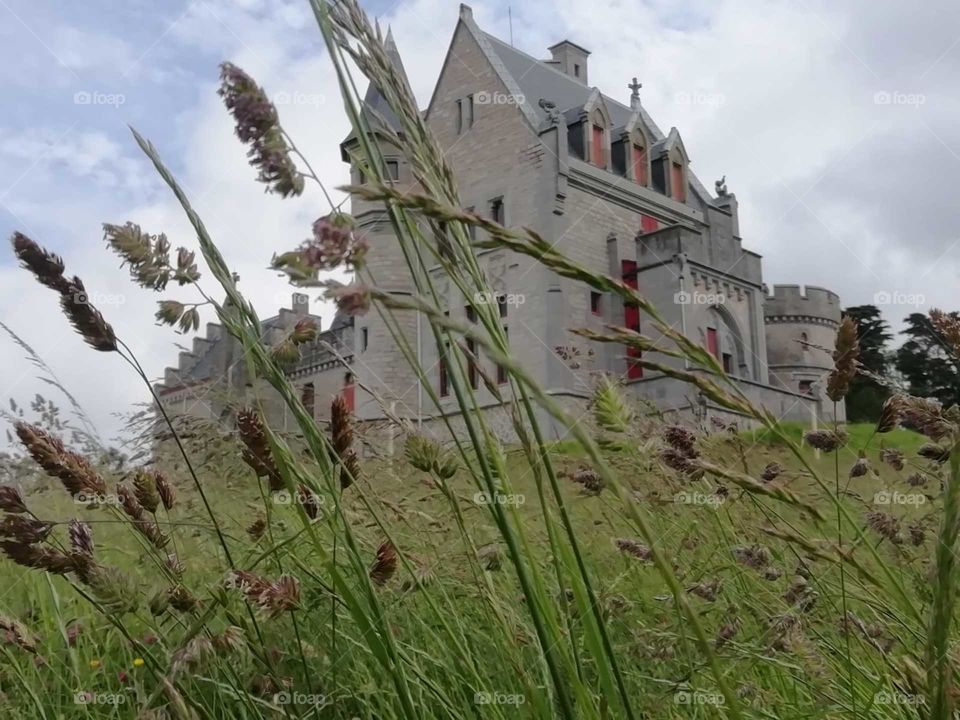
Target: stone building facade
(532,144)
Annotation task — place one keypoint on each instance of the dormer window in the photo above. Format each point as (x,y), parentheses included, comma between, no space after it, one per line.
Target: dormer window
(678,188)
(639,164)
(598,155)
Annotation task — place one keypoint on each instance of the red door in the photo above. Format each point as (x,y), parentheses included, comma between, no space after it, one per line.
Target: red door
(631,318)
(349,396)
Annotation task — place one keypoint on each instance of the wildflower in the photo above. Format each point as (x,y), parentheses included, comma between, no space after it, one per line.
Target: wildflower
(917,480)
(860,468)
(446,466)
(11,500)
(47,267)
(590,480)
(634,548)
(825,440)
(310,502)
(932,451)
(947,326)
(707,589)
(165,490)
(754,556)
(925,416)
(72,469)
(680,451)
(145,490)
(16,633)
(350,299)
(885,525)
(845,354)
(149,256)
(800,594)
(305,331)
(917,535)
(258,125)
(256,452)
(892,457)
(230,641)
(257,528)
(138,662)
(192,656)
(341,437)
(727,632)
(81,540)
(609,409)
(772,573)
(273,597)
(771,472)
(182,599)
(95,664)
(38,557)
(890,414)
(421,451)
(385,564)
(24,529)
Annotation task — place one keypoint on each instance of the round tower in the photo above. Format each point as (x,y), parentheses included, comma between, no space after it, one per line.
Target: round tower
(801,328)
(384,379)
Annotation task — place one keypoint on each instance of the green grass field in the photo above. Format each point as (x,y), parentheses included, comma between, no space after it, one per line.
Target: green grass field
(780,670)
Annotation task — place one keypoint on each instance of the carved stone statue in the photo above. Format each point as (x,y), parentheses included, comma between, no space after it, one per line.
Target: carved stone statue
(721,186)
(553,114)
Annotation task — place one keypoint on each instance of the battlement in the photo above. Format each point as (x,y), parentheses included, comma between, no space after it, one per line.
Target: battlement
(797,301)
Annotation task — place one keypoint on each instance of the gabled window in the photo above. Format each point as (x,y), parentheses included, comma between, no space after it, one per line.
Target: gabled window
(575,140)
(391,170)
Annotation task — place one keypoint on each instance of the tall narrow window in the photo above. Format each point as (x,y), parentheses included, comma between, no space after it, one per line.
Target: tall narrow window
(349,392)
(576,70)
(497,213)
(631,318)
(444,358)
(713,345)
(595,303)
(459,117)
(469,107)
(677,191)
(598,156)
(364,339)
(391,170)
(639,165)
(501,370)
(502,304)
(308,397)
(472,363)
(471,313)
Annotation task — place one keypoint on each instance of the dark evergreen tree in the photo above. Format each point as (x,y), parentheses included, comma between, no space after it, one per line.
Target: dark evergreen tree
(866,395)
(926,363)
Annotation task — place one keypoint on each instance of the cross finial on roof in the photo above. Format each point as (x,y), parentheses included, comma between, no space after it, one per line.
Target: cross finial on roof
(635,93)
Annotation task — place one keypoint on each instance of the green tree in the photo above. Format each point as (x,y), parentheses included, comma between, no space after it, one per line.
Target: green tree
(925,362)
(866,396)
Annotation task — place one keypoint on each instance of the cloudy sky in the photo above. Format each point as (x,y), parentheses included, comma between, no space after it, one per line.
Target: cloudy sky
(835,124)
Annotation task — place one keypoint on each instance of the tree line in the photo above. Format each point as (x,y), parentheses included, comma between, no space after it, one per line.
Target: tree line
(923,364)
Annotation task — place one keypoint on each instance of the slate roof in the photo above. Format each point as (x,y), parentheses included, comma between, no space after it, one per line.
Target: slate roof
(375,107)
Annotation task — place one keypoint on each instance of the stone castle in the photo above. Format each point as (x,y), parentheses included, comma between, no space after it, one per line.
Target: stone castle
(533,144)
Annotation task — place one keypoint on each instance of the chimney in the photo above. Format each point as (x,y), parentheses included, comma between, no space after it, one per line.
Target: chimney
(300,304)
(570,59)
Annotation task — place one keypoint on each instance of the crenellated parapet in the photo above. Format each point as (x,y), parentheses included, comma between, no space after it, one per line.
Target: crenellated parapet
(805,305)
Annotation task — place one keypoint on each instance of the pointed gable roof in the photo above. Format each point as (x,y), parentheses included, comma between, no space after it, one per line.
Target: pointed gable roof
(375,108)
(531,79)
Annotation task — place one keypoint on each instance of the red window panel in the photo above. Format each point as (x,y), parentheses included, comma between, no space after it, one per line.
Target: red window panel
(598,154)
(648,224)
(639,165)
(712,344)
(631,318)
(349,396)
(677,191)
